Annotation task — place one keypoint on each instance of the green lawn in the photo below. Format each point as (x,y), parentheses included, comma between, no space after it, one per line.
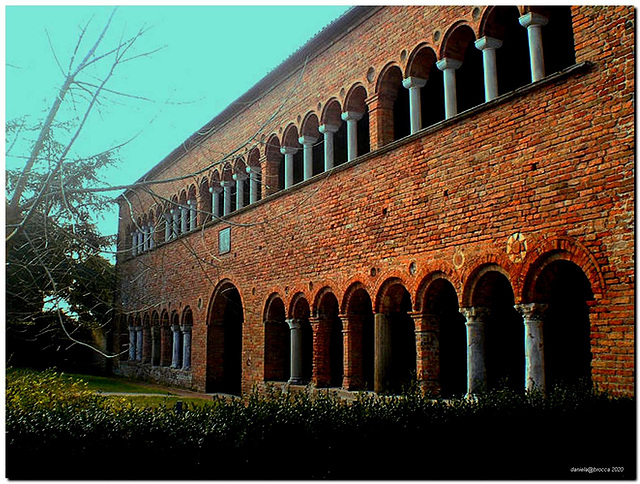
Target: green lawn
(116,384)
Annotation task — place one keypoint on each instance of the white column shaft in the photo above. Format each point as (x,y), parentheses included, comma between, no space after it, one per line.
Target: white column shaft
(184,214)
(307,143)
(329,130)
(448,68)
(414,85)
(534,23)
(134,244)
(488,46)
(186,347)
(352,119)
(175,355)
(138,343)
(132,343)
(476,370)
(167,227)
(296,376)
(253,183)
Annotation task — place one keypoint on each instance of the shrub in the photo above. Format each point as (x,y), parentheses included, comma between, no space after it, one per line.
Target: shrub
(72,433)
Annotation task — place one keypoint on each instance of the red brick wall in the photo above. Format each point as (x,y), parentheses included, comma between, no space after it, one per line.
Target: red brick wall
(553,162)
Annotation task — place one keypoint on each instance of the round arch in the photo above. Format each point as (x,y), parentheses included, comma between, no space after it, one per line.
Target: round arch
(277,340)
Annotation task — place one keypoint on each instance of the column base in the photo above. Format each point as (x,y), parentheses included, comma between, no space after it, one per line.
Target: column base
(296,381)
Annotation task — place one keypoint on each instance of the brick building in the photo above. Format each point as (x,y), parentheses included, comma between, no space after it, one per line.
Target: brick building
(440,194)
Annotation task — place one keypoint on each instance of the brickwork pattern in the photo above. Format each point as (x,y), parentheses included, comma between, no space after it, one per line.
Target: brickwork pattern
(553,162)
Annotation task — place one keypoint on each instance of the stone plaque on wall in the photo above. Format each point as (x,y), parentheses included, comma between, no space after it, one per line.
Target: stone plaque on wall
(224,240)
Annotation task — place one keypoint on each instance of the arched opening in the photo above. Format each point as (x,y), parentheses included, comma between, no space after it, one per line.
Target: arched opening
(192,210)
(273,178)
(185,331)
(241,179)
(355,102)
(159,230)
(512,57)
(331,117)
(503,329)
(204,202)
(470,75)
(277,342)
(290,140)
(229,190)
(423,66)
(329,344)
(557,39)
(361,349)
(566,329)
(310,131)
(224,341)
(395,341)
(441,302)
(253,161)
(393,110)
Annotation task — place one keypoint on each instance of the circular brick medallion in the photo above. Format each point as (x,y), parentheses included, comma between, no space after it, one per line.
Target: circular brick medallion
(517,247)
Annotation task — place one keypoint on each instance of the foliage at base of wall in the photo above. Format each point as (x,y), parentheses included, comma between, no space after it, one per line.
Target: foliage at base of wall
(74,434)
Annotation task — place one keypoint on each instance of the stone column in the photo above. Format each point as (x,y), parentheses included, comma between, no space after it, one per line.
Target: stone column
(254,173)
(175,354)
(239,179)
(296,378)
(328,130)
(226,196)
(167,226)
(534,23)
(132,343)
(288,152)
(488,46)
(186,347)
(414,84)
(192,214)
(448,67)
(427,329)
(184,218)
(138,343)
(533,318)
(134,243)
(307,147)
(382,353)
(352,118)
(152,233)
(215,201)
(476,370)
(176,221)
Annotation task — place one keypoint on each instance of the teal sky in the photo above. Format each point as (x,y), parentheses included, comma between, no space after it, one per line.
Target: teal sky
(211,56)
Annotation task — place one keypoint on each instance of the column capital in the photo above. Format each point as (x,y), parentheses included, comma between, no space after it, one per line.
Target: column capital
(475,314)
(532,312)
(288,150)
(191,202)
(488,43)
(226,183)
(185,329)
(425,322)
(307,140)
(253,169)
(414,82)
(294,323)
(215,189)
(328,128)
(533,19)
(239,176)
(175,328)
(351,116)
(448,63)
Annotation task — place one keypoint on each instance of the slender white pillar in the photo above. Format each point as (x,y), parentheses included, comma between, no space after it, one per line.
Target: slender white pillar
(296,378)
(132,343)
(414,84)
(186,347)
(140,242)
(152,232)
(226,197)
(488,46)
(533,318)
(307,146)
(352,118)
(184,219)
(145,238)
(328,130)
(155,346)
(448,67)
(239,179)
(175,354)
(476,369)
(176,221)
(534,23)
(167,226)
(254,174)
(215,201)
(138,343)
(192,214)
(288,152)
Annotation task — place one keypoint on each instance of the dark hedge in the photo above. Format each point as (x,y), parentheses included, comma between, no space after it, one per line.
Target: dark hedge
(58,430)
